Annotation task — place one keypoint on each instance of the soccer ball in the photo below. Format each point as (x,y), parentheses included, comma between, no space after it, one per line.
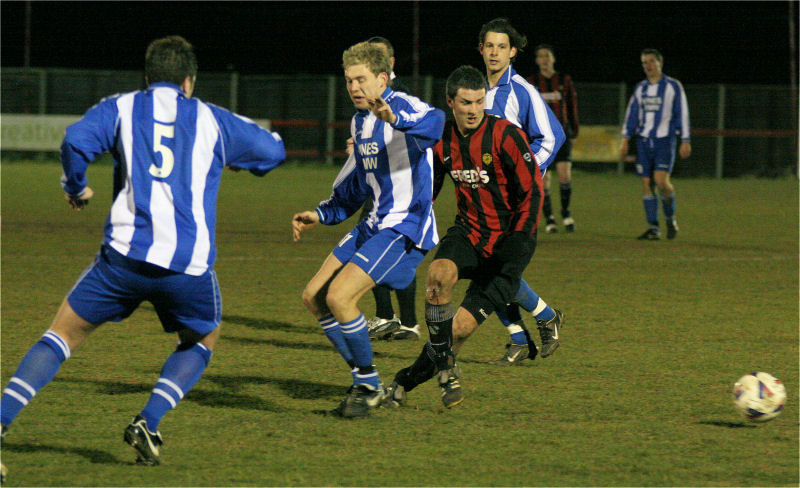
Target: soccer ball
(759,396)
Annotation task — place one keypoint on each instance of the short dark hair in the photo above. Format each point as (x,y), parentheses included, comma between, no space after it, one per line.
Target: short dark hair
(545,46)
(170,59)
(503,26)
(654,52)
(464,77)
(384,41)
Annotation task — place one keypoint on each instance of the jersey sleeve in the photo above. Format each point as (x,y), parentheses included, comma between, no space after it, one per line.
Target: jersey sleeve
(246,145)
(84,141)
(439,170)
(681,113)
(421,121)
(525,180)
(541,126)
(349,193)
(631,117)
(571,99)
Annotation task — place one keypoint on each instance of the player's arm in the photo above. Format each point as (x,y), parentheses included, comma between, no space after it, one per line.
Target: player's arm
(421,121)
(349,193)
(541,125)
(246,145)
(84,141)
(439,170)
(681,115)
(629,127)
(572,105)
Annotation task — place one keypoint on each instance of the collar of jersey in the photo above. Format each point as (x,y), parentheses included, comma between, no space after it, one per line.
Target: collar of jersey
(165,84)
(505,78)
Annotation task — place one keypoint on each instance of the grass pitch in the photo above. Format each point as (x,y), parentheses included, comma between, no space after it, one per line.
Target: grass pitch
(639,393)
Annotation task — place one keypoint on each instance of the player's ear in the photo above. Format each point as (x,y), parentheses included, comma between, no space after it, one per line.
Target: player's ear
(513,52)
(450,102)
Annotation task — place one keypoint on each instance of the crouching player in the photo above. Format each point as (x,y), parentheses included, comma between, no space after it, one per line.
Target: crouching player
(499,193)
(392,163)
(169,151)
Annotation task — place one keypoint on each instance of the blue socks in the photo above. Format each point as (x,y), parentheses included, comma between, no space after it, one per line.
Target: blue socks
(668,205)
(37,368)
(351,340)
(334,333)
(531,302)
(180,373)
(650,202)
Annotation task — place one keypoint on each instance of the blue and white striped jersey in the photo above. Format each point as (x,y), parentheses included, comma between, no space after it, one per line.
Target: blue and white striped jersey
(393,164)
(519,102)
(169,151)
(657,110)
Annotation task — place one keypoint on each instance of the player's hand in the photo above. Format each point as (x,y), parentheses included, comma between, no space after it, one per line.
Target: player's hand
(379,107)
(685,150)
(77,203)
(623,150)
(302,221)
(349,148)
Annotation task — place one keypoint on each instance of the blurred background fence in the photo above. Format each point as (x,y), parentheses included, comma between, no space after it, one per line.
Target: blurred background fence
(736,129)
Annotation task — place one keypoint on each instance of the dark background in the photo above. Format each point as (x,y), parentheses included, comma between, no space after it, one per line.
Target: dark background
(702,42)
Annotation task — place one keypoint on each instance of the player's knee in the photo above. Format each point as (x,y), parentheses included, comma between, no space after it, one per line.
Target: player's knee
(337,300)
(442,275)
(311,299)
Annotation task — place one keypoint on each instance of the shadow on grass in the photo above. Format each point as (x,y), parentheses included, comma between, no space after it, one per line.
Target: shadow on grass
(209,398)
(264,324)
(297,389)
(730,425)
(95,456)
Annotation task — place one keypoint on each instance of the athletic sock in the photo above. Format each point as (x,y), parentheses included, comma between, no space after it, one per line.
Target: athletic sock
(440,327)
(668,206)
(357,338)
(36,370)
(178,375)
(511,318)
(334,333)
(423,369)
(383,302)
(566,194)
(547,206)
(530,301)
(406,301)
(367,375)
(651,209)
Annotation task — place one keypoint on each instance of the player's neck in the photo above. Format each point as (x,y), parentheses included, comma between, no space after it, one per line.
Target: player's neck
(494,77)
(548,73)
(655,79)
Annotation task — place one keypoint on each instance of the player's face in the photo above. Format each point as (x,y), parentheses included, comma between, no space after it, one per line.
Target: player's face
(545,60)
(497,52)
(467,108)
(651,65)
(360,80)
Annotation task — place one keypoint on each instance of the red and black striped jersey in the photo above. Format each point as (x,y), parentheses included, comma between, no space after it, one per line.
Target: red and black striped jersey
(559,92)
(497,181)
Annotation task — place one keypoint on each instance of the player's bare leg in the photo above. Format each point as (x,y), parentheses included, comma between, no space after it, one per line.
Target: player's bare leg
(317,289)
(564,170)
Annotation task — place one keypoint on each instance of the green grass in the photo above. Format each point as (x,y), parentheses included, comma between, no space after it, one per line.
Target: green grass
(637,395)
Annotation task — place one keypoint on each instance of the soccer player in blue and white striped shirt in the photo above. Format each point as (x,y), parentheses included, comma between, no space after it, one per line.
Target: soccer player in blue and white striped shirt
(392,163)
(657,113)
(169,152)
(511,97)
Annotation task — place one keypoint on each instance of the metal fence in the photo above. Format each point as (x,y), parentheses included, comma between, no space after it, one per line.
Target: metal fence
(737,129)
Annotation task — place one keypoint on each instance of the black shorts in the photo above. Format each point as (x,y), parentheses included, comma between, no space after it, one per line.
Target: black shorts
(495,281)
(565,152)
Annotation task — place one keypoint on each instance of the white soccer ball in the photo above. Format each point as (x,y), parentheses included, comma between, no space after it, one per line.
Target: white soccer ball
(759,396)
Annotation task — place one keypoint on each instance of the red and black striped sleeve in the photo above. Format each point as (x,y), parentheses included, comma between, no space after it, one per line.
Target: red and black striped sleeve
(571,102)
(439,171)
(525,180)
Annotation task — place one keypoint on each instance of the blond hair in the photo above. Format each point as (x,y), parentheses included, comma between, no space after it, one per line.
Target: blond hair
(370,55)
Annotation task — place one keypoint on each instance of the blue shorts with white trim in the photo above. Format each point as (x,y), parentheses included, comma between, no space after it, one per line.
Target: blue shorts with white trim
(113,286)
(388,257)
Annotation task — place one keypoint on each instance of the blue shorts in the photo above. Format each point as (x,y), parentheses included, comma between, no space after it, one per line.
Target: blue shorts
(654,155)
(113,286)
(388,257)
